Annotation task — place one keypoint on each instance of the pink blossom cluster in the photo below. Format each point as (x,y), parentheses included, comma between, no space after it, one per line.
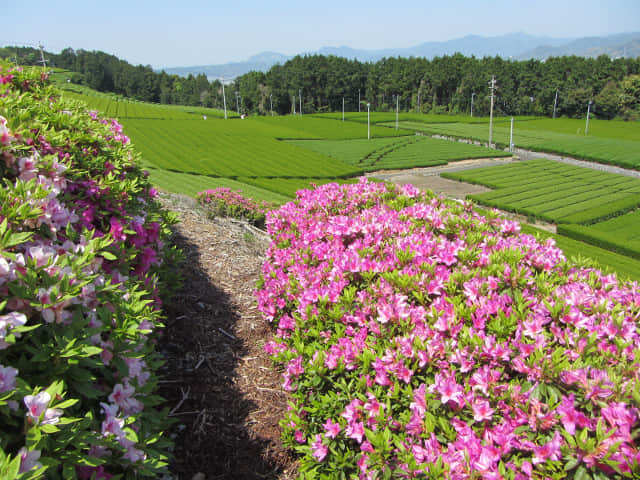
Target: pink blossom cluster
(80,251)
(227,202)
(421,339)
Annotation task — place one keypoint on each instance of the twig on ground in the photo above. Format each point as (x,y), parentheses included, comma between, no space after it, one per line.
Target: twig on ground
(185,396)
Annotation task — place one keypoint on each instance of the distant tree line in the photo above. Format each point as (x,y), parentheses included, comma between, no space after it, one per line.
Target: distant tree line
(447,84)
(106,73)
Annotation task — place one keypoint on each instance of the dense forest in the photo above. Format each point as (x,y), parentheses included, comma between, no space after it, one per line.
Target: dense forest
(448,84)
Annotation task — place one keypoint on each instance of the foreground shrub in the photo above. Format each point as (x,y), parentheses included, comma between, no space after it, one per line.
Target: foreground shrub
(421,340)
(228,203)
(81,260)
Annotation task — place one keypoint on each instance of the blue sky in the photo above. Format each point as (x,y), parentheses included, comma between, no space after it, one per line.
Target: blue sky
(182,33)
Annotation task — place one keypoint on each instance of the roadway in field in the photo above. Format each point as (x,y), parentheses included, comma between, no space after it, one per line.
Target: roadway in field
(429,177)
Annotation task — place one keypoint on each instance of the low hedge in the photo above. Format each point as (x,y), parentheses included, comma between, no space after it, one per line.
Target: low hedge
(82,262)
(419,339)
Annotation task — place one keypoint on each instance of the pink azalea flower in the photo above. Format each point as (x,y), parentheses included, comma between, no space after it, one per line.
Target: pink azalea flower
(7,378)
(88,473)
(319,450)
(548,451)
(482,410)
(28,459)
(332,428)
(37,407)
(449,390)
(355,430)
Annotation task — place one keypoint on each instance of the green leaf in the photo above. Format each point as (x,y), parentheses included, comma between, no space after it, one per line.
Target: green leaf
(582,474)
(108,255)
(49,428)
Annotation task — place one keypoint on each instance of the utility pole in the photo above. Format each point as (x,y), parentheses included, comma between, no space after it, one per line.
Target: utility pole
(271,103)
(358,100)
(294,104)
(418,101)
(492,88)
(511,137)
(586,128)
(368,123)
(472,95)
(343,108)
(237,102)
(224,100)
(44,64)
(300,95)
(397,107)
(555,103)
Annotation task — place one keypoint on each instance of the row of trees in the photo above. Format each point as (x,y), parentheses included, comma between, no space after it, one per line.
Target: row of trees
(446,84)
(107,73)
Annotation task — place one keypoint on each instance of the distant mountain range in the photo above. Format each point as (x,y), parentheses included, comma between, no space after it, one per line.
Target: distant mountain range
(519,46)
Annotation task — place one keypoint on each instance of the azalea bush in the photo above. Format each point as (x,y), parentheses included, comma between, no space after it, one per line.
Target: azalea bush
(419,339)
(82,262)
(228,203)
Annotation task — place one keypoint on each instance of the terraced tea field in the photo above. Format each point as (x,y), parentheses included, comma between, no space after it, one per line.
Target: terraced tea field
(554,192)
(620,234)
(605,143)
(187,154)
(117,107)
(228,149)
(397,153)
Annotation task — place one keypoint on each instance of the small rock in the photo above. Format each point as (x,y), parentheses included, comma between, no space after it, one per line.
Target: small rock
(199,476)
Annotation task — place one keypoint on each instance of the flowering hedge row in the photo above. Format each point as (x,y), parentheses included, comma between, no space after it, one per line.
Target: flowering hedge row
(81,262)
(421,340)
(226,202)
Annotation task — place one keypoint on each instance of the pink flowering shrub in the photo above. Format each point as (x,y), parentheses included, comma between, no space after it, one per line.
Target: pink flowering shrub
(419,339)
(81,267)
(225,202)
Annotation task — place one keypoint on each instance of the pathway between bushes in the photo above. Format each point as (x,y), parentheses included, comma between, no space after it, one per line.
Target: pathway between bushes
(219,384)
(221,388)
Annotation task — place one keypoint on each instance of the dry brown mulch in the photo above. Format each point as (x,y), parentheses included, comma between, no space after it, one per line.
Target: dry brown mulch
(219,384)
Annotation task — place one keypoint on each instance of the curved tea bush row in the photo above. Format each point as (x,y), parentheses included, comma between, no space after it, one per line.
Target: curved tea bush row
(81,254)
(419,339)
(607,240)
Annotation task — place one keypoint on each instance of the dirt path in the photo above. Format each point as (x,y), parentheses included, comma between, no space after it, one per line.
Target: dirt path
(429,177)
(220,386)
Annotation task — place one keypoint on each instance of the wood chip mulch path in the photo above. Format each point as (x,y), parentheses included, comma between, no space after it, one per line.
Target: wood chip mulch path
(221,388)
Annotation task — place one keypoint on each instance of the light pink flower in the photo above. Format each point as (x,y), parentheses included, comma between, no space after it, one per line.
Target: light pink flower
(37,407)
(7,378)
(28,459)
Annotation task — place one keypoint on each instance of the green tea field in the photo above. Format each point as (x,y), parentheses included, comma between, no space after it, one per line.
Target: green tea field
(394,153)
(190,149)
(610,142)
(554,192)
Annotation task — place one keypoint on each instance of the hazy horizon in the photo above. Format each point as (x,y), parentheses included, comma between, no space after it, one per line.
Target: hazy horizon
(201,33)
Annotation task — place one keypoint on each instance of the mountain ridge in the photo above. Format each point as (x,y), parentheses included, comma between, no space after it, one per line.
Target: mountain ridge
(517,46)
